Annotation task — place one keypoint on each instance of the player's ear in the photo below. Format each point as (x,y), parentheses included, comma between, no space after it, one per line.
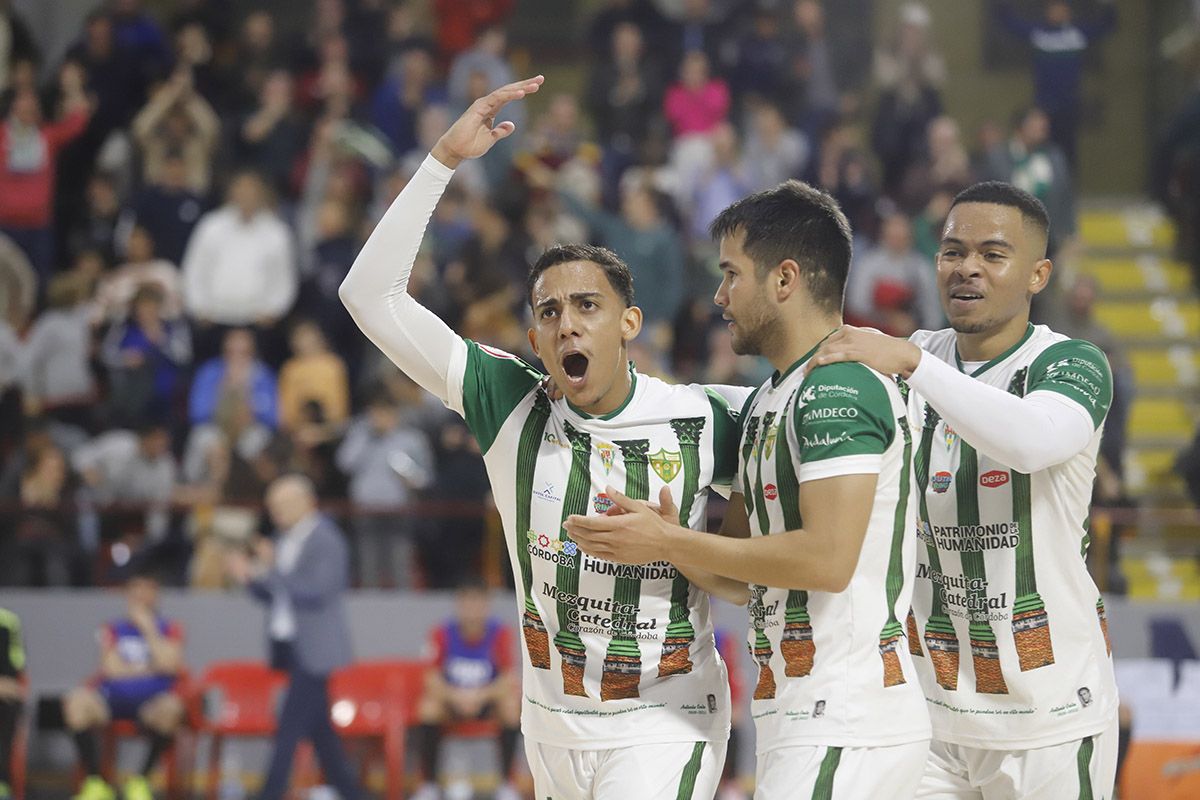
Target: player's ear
(785,279)
(631,323)
(533,343)
(1040,276)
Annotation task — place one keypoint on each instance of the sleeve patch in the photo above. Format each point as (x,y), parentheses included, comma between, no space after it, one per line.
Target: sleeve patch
(842,410)
(1077,370)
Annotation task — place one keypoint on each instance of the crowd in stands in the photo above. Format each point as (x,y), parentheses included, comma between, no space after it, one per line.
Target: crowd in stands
(181,197)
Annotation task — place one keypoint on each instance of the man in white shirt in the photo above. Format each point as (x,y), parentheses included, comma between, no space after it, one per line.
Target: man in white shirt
(239,267)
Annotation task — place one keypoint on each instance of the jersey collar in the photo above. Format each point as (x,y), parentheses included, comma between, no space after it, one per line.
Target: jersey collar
(778,378)
(958,359)
(624,403)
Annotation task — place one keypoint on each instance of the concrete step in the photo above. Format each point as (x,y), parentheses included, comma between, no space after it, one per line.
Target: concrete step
(1164,317)
(1142,227)
(1148,472)
(1174,367)
(1165,418)
(1137,276)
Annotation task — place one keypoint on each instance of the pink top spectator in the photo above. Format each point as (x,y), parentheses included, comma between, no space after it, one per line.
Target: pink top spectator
(697,110)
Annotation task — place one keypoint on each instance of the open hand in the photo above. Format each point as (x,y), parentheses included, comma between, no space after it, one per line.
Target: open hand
(474,133)
(637,534)
(880,352)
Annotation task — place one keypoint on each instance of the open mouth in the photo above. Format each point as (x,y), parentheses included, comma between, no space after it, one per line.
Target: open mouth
(964,298)
(575,365)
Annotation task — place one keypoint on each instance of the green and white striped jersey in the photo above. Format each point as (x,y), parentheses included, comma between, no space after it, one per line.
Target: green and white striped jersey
(1009,634)
(614,655)
(833,667)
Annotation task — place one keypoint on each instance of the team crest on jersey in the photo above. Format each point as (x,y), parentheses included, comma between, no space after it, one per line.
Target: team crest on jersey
(666,464)
(769,440)
(607,455)
(951,437)
(602,503)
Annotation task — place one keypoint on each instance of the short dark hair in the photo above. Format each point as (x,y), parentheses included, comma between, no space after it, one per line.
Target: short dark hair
(1005,194)
(614,268)
(796,221)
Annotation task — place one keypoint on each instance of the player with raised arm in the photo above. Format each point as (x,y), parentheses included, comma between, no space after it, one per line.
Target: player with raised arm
(819,523)
(1009,632)
(624,693)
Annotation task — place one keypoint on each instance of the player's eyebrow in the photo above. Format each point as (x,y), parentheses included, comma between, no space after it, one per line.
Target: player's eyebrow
(950,240)
(574,297)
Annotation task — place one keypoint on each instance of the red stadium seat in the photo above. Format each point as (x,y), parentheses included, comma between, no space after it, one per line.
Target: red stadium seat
(239,701)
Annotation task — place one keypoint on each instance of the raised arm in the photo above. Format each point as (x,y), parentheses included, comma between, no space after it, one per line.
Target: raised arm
(1068,392)
(376,289)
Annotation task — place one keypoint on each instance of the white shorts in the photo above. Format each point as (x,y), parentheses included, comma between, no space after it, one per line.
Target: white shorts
(840,773)
(673,771)
(1084,769)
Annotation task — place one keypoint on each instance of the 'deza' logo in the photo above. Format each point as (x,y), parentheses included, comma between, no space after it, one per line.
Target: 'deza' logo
(770,491)
(941,482)
(990,480)
(602,503)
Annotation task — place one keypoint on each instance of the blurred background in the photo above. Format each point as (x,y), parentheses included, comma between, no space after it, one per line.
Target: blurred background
(185,183)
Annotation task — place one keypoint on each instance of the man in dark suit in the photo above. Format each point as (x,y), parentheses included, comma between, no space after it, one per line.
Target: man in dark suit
(300,579)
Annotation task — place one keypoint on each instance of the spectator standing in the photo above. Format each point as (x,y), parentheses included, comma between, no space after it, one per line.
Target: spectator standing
(386,462)
(624,98)
(313,376)
(168,209)
(146,354)
(399,99)
(28,149)
(178,120)
(1033,162)
(16,43)
(774,150)
(124,467)
(58,377)
(908,74)
(237,370)
(471,676)
(698,101)
(460,22)
(271,136)
(650,246)
(239,267)
(12,690)
(1059,45)
(40,547)
(117,288)
(141,656)
(301,578)
(892,286)
(18,285)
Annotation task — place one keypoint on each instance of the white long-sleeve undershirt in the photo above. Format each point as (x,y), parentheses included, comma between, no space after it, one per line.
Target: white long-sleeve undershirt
(375,291)
(1027,434)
